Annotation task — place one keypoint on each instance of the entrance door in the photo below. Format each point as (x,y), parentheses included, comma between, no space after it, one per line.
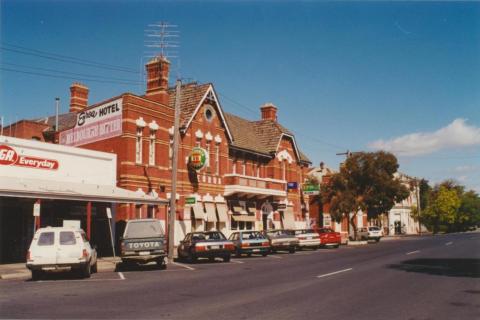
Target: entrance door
(267,216)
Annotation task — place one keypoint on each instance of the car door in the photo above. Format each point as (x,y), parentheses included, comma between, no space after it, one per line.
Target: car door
(43,250)
(69,247)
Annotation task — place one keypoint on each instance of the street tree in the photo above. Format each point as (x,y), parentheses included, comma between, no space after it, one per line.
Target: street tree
(365,182)
(443,207)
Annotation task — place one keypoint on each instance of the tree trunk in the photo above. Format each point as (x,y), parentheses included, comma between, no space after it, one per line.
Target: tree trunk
(354,226)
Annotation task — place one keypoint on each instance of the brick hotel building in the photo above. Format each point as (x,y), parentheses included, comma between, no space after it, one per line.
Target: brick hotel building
(252,179)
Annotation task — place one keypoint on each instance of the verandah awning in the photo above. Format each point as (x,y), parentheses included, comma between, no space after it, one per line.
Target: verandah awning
(222,212)
(244,217)
(46,189)
(211,215)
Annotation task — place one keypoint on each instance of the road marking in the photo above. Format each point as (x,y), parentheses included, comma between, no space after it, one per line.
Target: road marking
(183,265)
(120,274)
(77,280)
(236,261)
(412,252)
(303,253)
(332,273)
(449,243)
(276,257)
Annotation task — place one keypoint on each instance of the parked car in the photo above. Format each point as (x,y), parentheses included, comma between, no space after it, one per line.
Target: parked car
(250,242)
(61,248)
(209,244)
(375,233)
(307,238)
(282,240)
(329,238)
(362,234)
(143,241)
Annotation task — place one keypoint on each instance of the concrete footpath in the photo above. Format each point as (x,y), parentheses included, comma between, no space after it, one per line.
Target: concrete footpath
(19,271)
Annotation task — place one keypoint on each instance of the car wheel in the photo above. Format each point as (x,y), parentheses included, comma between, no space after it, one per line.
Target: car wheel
(211,259)
(87,271)
(238,253)
(291,250)
(264,254)
(191,258)
(316,247)
(161,264)
(36,275)
(95,268)
(378,239)
(226,258)
(249,254)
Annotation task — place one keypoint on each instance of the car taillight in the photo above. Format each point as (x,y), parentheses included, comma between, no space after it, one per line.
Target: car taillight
(84,253)
(302,238)
(245,245)
(200,248)
(230,246)
(28,255)
(266,244)
(122,247)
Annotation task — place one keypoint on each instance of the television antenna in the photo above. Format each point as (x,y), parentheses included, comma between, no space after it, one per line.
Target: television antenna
(162,40)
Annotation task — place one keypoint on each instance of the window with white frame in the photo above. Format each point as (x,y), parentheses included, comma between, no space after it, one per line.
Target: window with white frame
(138,146)
(284,170)
(234,166)
(208,158)
(258,170)
(151,150)
(244,167)
(217,160)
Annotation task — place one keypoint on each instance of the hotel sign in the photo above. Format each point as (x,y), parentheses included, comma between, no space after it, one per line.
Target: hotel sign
(198,158)
(95,124)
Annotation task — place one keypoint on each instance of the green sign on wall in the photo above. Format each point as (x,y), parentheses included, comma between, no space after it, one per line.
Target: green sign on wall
(311,189)
(190,200)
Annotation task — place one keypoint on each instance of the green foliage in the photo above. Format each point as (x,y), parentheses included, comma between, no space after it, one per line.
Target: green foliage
(365,181)
(450,208)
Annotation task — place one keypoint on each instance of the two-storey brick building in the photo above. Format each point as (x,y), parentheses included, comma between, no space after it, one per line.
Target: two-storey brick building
(253,175)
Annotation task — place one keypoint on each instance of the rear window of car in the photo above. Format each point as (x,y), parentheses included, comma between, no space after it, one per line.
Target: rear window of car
(46,239)
(143,229)
(67,238)
(374,228)
(252,235)
(325,230)
(305,231)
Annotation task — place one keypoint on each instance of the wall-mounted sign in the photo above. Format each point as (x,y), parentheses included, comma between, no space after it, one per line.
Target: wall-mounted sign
(10,157)
(36,210)
(279,206)
(311,189)
(190,200)
(292,185)
(99,123)
(198,158)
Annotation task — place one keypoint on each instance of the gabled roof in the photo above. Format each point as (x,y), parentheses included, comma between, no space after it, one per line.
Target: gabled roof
(65,121)
(262,136)
(192,97)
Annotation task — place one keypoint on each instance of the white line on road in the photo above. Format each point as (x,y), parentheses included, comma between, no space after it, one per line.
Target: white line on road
(183,265)
(332,273)
(449,243)
(120,274)
(236,261)
(276,257)
(412,252)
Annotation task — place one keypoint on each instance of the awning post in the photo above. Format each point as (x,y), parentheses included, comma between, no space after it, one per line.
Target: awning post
(89,219)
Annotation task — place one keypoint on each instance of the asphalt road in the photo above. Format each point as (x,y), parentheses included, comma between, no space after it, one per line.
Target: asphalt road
(433,277)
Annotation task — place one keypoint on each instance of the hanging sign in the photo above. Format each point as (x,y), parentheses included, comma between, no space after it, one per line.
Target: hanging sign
(36,210)
(109,213)
(190,200)
(198,158)
(311,189)
(292,186)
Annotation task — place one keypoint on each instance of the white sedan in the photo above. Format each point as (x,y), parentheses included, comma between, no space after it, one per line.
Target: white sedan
(307,238)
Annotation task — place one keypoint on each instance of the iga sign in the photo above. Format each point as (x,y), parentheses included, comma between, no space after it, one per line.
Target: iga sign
(198,158)
(95,124)
(10,157)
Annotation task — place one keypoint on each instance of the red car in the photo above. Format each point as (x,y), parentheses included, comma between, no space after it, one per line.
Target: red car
(329,238)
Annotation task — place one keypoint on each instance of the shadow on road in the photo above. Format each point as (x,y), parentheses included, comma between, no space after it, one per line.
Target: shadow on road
(469,268)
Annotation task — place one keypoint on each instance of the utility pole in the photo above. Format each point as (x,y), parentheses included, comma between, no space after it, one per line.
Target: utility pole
(173,194)
(417,184)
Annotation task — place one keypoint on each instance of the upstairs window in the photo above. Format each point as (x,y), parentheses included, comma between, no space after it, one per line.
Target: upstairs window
(151,153)
(138,146)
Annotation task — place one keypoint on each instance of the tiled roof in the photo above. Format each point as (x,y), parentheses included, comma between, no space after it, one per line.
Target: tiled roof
(191,95)
(258,136)
(65,121)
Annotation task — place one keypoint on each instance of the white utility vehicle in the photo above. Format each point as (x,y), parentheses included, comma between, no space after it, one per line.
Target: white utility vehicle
(58,248)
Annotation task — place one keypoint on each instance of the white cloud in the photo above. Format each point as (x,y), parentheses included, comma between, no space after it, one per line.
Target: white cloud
(464,169)
(456,134)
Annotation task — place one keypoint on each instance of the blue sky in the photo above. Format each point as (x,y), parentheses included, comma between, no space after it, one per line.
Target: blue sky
(401,76)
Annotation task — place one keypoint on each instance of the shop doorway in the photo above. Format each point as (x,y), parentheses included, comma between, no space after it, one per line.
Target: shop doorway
(267,216)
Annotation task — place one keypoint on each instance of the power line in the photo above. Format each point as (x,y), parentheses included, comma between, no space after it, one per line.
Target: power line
(71,73)
(63,58)
(61,77)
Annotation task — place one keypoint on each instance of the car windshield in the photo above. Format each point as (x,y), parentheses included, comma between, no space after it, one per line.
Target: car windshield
(304,231)
(67,238)
(325,230)
(374,228)
(252,235)
(279,232)
(143,229)
(46,239)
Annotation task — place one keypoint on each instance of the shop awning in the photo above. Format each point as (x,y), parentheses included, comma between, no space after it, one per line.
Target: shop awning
(252,209)
(222,212)
(288,219)
(244,217)
(46,189)
(211,215)
(198,211)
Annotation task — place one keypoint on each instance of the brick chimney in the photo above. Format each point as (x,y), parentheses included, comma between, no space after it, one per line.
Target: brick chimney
(78,97)
(269,112)
(157,79)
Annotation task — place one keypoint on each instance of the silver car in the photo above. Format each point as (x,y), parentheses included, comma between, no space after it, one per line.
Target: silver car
(249,242)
